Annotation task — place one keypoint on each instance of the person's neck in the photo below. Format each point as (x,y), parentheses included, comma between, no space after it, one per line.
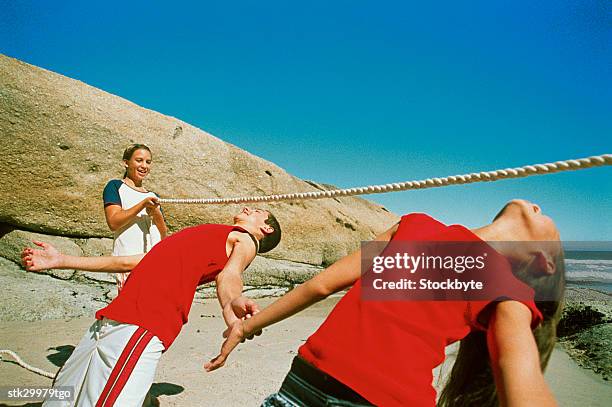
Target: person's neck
(249,228)
(131,182)
(502,230)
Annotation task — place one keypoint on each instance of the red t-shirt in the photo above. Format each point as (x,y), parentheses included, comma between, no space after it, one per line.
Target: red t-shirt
(386,350)
(158,293)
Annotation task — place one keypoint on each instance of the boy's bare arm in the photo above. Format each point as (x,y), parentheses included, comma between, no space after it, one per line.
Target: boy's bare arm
(229,280)
(48,257)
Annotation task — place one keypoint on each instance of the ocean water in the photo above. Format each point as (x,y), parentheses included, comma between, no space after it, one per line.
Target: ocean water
(592,269)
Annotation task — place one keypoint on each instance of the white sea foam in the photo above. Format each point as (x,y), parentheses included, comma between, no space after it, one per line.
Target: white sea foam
(589,261)
(594,276)
(589,270)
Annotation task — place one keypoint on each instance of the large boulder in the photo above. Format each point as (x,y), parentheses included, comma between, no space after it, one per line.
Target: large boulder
(61,142)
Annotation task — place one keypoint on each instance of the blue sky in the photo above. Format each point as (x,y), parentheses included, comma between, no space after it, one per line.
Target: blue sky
(354,93)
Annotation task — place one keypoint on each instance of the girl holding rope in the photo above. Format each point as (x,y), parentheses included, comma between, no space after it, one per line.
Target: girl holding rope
(132,212)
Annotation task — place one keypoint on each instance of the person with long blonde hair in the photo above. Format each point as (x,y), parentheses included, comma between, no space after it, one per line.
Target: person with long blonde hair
(383,352)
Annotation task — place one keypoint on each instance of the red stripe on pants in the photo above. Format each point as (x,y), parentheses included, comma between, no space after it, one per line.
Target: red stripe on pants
(117,371)
(127,371)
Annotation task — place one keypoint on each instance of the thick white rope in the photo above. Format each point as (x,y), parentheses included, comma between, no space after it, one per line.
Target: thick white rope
(485,176)
(23,364)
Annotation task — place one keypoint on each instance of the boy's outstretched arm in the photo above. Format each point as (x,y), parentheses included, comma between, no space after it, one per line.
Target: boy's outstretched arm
(229,281)
(515,359)
(48,257)
(336,277)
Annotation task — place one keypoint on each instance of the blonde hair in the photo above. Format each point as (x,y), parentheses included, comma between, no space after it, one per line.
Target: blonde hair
(471,381)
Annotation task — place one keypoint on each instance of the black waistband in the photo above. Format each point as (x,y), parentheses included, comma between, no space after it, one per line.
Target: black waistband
(325,382)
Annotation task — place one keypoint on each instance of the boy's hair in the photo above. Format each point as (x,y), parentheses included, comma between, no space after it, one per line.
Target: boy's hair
(270,240)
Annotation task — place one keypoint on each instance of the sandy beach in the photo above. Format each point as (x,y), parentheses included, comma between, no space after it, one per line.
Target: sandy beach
(255,370)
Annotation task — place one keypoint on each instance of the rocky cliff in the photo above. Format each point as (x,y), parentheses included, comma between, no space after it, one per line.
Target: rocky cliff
(61,140)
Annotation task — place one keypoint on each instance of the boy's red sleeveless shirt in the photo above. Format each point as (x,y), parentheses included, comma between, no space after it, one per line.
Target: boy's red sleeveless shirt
(158,293)
(386,350)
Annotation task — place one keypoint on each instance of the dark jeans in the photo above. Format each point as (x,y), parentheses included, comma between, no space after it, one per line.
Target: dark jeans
(305,385)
